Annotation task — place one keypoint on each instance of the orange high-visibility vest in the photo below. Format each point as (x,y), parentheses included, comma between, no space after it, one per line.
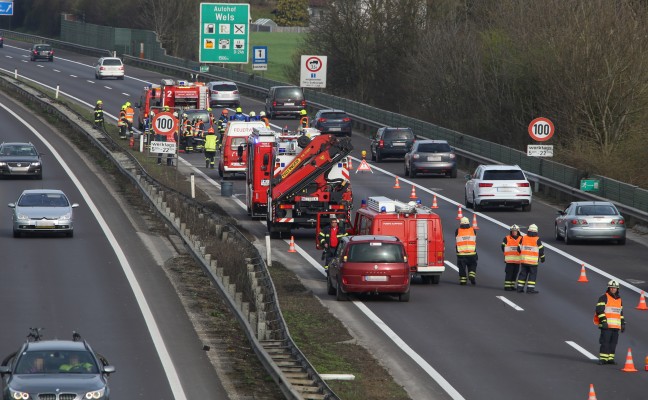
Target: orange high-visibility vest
(122,116)
(266,121)
(303,122)
(511,254)
(529,253)
(613,308)
(466,241)
(130,114)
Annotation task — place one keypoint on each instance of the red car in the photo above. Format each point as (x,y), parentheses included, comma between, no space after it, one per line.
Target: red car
(369,264)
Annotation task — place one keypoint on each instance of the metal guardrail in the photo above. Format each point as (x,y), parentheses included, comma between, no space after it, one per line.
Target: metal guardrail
(59,44)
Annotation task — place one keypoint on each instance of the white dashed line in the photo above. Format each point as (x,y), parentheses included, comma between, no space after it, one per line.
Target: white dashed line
(581,350)
(56,70)
(108,87)
(39,66)
(8,56)
(89,81)
(74,76)
(126,94)
(510,303)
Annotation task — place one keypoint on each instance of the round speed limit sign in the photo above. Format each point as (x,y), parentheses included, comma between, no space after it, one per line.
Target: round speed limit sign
(541,129)
(164,123)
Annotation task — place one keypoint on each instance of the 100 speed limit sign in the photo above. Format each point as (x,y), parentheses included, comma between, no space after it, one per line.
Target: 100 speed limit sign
(541,129)
(164,123)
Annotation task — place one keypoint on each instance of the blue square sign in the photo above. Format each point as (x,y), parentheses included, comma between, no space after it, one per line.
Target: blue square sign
(260,54)
(6,7)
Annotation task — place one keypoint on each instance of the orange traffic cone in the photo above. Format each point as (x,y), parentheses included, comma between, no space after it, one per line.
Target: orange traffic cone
(131,142)
(396,184)
(475,227)
(459,214)
(434,202)
(592,393)
(291,249)
(629,364)
(413,194)
(583,276)
(642,302)
(646,362)
(350,163)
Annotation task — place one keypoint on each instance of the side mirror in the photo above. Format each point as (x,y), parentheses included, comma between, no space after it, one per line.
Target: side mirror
(404,258)
(108,369)
(4,369)
(468,177)
(11,205)
(75,205)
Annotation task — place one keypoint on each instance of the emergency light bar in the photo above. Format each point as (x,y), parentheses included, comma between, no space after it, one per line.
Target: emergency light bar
(384,204)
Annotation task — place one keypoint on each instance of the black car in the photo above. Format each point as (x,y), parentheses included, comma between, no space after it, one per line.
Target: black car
(41,51)
(1,42)
(284,100)
(20,159)
(332,121)
(55,369)
(391,142)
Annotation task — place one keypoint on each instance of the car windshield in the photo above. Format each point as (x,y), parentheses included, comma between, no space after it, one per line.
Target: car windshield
(238,141)
(434,148)
(289,93)
(334,115)
(19,151)
(43,48)
(193,116)
(504,175)
(112,61)
(596,210)
(43,200)
(224,88)
(56,362)
(399,134)
(376,252)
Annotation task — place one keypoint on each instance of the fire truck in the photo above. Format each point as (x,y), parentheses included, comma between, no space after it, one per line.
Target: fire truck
(180,95)
(309,183)
(260,146)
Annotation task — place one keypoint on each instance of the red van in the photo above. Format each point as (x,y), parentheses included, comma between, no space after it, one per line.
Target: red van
(234,157)
(369,264)
(418,227)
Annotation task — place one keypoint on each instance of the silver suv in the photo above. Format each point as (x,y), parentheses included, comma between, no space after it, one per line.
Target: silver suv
(498,185)
(224,93)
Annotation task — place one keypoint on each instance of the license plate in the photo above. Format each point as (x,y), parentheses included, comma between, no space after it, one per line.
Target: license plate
(504,189)
(380,278)
(598,225)
(398,144)
(434,158)
(265,182)
(309,198)
(44,224)
(289,104)
(44,53)
(335,129)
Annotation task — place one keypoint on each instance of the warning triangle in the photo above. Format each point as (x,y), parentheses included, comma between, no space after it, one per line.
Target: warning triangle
(364,167)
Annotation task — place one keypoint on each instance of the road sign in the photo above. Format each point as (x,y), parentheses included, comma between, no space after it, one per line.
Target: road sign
(164,123)
(590,185)
(224,33)
(163,147)
(6,7)
(260,67)
(313,71)
(541,129)
(204,68)
(540,150)
(260,54)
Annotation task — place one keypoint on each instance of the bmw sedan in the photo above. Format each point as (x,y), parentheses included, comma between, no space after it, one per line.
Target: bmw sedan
(56,369)
(590,220)
(42,210)
(20,159)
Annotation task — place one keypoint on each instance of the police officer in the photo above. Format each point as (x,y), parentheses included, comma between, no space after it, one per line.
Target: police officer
(511,257)
(99,115)
(531,254)
(466,246)
(329,238)
(609,318)
(211,141)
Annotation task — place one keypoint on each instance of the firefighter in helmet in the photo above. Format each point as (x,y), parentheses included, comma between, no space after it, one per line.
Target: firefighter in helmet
(531,254)
(99,115)
(610,320)
(466,246)
(266,121)
(512,258)
(303,121)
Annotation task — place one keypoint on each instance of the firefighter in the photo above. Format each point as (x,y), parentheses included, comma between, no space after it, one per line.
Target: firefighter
(466,246)
(609,318)
(262,117)
(222,124)
(122,123)
(303,121)
(98,115)
(238,116)
(253,116)
(531,254)
(212,119)
(329,238)
(187,134)
(211,141)
(511,257)
(198,134)
(130,114)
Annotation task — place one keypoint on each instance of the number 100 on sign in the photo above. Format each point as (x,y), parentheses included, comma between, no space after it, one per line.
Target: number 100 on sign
(541,129)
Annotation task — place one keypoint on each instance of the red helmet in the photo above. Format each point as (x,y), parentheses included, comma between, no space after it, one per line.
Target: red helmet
(225,112)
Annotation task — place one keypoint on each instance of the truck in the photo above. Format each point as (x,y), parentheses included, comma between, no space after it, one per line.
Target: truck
(234,154)
(178,96)
(309,184)
(418,227)
(258,172)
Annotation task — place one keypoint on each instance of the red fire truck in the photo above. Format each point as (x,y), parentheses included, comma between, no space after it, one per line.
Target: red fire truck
(259,170)
(179,95)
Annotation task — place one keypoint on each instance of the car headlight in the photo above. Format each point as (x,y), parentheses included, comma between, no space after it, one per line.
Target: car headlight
(3,164)
(97,394)
(18,395)
(22,217)
(35,164)
(66,217)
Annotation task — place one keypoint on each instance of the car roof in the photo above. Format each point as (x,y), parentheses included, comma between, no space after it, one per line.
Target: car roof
(221,83)
(110,58)
(17,144)
(373,238)
(501,167)
(430,141)
(332,110)
(56,345)
(396,128)
(590,203)
(28,191)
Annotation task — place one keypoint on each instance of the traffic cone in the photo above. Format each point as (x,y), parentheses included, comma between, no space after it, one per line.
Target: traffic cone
(583,276)
(350,163)
(592,393)
(434,202)
(475,227)
(413,194)
(646,362)
(131,142)
(642,302)
(291,249)
(396,185)
(629,364)
(459,214)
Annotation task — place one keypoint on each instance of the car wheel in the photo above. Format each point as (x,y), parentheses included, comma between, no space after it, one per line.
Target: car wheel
(32,59)
(466,202)
(453,173)
(51,59)
(329,286)
(526,207)
(220,171)
(436,279)
(412,172)
(406,170)
(339,294)
(567,239)
(557,233)
(379,157)
(69,234)
(373,156)
(621,241)
(404,297)
(121,78)
(476,206)
(39,176)
(16,234)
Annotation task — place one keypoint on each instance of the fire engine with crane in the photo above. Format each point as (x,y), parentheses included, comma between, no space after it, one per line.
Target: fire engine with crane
(178,96)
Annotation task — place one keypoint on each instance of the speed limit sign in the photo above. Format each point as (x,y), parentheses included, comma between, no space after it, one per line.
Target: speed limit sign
(164,123)
(541,129)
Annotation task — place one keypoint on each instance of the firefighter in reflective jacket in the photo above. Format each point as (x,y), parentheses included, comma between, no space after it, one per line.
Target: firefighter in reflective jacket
(466,243)
(99,115)
(265,119)
(222,124)
(303,121)
(187,134)
(130,115)
(122,123)
(531,254)
(329,238)
(609,318)
(512,257)
(198,134)
(211,141)
(238,116)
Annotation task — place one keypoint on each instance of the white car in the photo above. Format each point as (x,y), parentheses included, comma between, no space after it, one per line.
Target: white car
(109,67)
(498,185)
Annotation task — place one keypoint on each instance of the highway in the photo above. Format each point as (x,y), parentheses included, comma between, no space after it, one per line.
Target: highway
(478,342)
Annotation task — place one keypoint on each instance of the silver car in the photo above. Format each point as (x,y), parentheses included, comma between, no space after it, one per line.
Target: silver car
(590,220)
(224,93)
(431,156)
(109,67)
(42,210)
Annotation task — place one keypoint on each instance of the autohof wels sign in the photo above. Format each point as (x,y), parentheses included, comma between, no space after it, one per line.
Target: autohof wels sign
(313,71)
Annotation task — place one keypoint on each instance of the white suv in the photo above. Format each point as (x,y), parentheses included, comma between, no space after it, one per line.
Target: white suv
(109,67)
(498,185)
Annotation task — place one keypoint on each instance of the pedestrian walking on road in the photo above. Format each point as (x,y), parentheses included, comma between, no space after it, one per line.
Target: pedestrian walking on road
(512,257)
(466,245)
(531,254)
(609,318)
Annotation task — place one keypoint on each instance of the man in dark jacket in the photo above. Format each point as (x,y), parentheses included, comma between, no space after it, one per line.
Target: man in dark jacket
(329,239)
(609,318)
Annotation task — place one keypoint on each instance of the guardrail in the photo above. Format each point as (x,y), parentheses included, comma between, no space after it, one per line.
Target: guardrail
(58,44)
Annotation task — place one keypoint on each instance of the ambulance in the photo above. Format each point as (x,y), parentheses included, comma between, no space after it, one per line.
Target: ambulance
(418,227)
(234,157)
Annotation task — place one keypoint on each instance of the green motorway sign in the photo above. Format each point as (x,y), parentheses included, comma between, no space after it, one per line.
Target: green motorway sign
(224,33)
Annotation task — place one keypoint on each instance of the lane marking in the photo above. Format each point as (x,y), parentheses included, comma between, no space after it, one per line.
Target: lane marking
(40,66)
(74,76)
(9,56)
(581,350)
(126,94)
(154,331)
(510,303)
(108,87)
(56,70)
(89,81)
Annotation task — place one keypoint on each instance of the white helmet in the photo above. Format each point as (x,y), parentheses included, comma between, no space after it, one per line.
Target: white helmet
(533,228)
(613,284)
(262,114)
(514,228)
(464,221)
(252,114)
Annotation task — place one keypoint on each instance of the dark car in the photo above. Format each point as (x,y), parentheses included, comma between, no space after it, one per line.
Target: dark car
(369,264)
(284,100)
(431,156)
(20,159)
(42,51)
(590,220)
(55,369)
(1,42)
(391,143)
(332,121)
